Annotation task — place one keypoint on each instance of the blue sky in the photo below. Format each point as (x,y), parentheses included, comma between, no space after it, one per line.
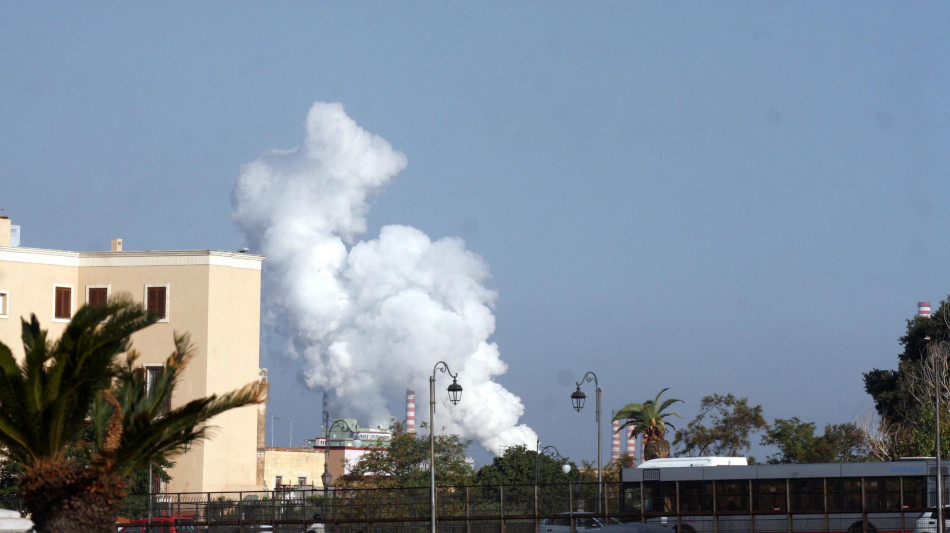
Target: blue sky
(740,198)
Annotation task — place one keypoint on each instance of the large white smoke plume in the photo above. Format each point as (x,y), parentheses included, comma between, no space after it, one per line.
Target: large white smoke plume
(369,318)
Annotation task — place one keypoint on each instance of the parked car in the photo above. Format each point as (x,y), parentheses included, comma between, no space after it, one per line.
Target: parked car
(583,521)
(162,524)
(927,523)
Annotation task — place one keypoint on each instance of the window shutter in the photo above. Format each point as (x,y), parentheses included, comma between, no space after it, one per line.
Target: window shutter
(63,303)
(156,301)
(98,296)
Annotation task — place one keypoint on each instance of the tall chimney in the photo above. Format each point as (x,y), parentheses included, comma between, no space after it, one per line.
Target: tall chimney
(615,443)
(923,308)
(410,411)
(632,444)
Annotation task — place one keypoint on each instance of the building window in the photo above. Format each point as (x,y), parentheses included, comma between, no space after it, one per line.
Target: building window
(301,480)
(152,373)
(278,481)
(4,304)
(97,295)
(156,301)
(63,305)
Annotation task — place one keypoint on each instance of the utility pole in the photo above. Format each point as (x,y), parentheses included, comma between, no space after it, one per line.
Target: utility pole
(291,444)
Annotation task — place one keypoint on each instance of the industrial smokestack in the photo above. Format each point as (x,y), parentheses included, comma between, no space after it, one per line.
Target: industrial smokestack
(632,444)
(923,308)
(410,411)
(615,443)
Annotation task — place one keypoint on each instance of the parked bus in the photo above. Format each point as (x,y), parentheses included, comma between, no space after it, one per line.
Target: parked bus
(799,498)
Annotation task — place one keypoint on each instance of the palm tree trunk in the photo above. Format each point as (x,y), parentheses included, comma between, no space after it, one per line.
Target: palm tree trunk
(656,449)
(67,497)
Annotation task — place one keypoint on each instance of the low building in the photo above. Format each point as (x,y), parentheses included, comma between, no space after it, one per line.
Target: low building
(285,468)
(290,468)
(213,295)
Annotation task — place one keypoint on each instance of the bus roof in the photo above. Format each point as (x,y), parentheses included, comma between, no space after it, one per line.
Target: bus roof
(649,472)
(670,462)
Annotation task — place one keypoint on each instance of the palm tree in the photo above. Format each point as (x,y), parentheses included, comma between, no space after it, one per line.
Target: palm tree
(649,419)
(45,401)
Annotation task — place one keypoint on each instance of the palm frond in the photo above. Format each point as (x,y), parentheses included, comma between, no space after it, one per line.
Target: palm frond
(150,431)
(44,400)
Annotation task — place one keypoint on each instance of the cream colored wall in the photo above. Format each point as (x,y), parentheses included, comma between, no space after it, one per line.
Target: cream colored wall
(214,296)
(187,313)
(292,463)
(233,361)
(30,285)
(5,227)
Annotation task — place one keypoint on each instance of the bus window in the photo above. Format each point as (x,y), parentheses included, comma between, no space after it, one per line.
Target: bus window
(770,495)
(631,499)
(915,493)
(732,496)
(807,495)
(695,497)
(882,494)
(844,494)
(660,497)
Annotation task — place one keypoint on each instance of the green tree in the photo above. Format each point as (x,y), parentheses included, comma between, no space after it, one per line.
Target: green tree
(650,420)
(405,462)
(47,398)
(890,389)
(797,442)
(519,465)
(731,422)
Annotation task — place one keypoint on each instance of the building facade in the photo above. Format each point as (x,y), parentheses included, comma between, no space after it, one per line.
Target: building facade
(212,295)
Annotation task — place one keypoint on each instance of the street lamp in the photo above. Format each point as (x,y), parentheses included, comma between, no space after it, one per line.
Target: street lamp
(455,394)
(291,443)
(577,399)
(937,352)
(327,478)
(566,467)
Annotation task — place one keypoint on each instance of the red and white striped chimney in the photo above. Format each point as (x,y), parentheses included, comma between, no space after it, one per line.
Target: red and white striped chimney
(410,411)
(615,444)
(923,308)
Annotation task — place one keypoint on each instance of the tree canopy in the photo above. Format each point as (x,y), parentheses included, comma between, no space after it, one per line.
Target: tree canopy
(797,442)
(731,422)
(405,462)
(891,389)
(519,465)
(904,397)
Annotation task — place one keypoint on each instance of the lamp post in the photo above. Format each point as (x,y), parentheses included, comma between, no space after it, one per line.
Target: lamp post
(455,394)
(566,467)
(938,352)
(577,399)
(291,443)
(327,477)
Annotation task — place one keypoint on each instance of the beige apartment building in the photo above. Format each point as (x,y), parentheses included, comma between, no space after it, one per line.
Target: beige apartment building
(213,295)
